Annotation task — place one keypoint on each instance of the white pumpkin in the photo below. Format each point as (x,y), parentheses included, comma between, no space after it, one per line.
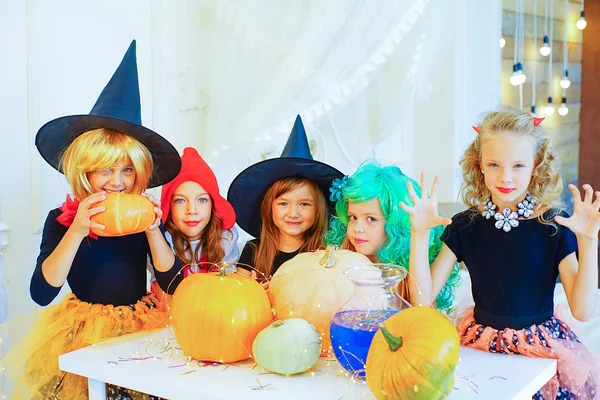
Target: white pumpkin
(287,347)
(312,286)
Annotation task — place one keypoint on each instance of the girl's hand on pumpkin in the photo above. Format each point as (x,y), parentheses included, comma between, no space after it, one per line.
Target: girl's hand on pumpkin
(585,220)
(82,223)
(424,212)
(157,211)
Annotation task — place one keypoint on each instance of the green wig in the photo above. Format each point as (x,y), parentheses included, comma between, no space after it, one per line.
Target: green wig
(388,184)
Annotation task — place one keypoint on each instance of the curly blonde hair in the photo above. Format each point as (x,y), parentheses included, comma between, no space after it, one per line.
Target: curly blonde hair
(545,185)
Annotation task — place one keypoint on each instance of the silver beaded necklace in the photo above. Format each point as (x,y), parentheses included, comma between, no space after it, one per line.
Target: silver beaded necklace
(508,219)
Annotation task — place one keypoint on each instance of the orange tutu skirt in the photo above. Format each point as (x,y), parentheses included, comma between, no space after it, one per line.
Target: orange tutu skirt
(72,324)
(577,375)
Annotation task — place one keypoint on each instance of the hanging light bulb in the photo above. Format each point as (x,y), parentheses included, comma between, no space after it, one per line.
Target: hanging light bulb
(545,50)
(581,22)
(514,79)
(502,42)
(549,109)
(522,76)
(563,109)
(565,82)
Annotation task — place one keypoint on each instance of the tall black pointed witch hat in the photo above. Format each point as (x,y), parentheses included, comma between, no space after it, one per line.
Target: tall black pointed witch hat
(118,108)
(248,188)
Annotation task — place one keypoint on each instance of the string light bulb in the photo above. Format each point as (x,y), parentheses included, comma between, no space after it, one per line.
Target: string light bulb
(549,109)
(545,50)
(563,109)
(565,82)
(517,77)
(514,77)
(581,22)
(522,76)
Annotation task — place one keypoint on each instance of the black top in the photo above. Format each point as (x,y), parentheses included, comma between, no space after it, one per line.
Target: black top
(513,274)
(110,270)
(247,256)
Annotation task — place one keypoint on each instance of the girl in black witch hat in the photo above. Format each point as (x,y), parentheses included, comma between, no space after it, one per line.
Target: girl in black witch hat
(283,202)
(107,150)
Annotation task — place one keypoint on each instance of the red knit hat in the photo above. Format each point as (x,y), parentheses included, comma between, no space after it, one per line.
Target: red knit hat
(194,168)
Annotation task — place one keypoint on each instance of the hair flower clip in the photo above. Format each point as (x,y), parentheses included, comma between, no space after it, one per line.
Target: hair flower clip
(337,187)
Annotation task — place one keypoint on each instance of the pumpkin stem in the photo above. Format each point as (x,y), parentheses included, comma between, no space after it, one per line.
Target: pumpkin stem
(395,342)
(223,270)
(277,323)
(328,261)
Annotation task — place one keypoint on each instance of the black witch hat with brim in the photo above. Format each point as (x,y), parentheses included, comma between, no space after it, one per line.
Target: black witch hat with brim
(118,108)
(248,188)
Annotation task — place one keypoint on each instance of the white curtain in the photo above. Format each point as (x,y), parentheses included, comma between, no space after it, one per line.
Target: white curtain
(353,69)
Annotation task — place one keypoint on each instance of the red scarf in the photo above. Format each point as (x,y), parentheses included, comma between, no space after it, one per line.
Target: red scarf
(69,210)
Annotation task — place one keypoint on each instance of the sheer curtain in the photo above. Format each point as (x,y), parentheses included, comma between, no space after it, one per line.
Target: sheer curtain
(353,70)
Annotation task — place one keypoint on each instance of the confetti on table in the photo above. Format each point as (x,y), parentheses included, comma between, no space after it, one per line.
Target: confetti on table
(470,383)
(469,380)
(261,386)
(208,364)
(193,371)
(122,359)
(498,377)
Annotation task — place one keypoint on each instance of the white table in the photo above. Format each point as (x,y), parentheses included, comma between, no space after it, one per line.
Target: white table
(479,375)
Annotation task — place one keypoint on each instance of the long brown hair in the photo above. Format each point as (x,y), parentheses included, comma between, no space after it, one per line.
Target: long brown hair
(265,252)
(210,240)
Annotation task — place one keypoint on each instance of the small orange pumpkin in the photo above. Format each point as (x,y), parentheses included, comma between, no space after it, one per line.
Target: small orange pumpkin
(413,356)
(312,286)
(125,214)
(217,316)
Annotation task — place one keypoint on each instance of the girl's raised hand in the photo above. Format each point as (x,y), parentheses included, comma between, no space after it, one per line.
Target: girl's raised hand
(82,223)
(424,213)
(157,212)
(585,220)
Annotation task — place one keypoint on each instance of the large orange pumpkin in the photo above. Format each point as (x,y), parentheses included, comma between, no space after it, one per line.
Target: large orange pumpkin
(217,316)
(413,356)
(125,214)
(312,286)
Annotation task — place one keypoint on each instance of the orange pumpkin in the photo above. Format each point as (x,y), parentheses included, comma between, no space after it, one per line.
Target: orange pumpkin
(217,316)
(413,356)
(125,214)
(312,286)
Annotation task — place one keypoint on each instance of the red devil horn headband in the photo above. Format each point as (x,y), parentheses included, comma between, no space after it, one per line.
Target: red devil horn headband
(536,123)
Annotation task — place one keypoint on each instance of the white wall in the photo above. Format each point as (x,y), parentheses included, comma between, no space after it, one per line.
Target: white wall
(468,87)
(56,59)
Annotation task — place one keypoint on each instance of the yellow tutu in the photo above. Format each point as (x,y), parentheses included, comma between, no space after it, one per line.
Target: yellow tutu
(72,324)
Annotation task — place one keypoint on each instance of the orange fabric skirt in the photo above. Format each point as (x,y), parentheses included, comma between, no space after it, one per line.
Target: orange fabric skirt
(577,375)
(72,324)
